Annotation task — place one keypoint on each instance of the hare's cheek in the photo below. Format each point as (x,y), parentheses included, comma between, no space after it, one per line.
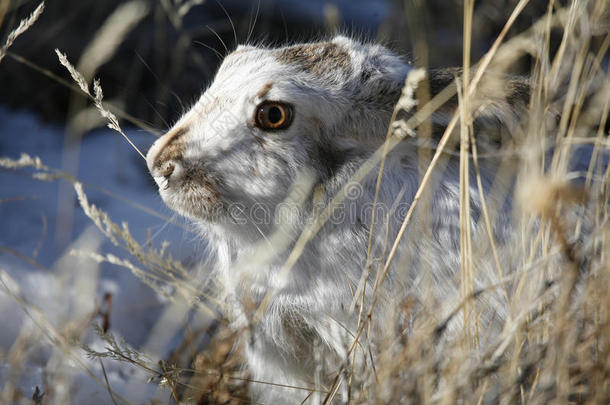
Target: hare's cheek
(195,203)
(193,193)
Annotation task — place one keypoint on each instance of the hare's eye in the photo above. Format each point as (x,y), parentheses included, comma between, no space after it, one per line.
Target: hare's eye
(273,115)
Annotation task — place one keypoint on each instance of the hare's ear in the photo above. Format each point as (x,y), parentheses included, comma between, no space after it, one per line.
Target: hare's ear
(381,76)
(374,62)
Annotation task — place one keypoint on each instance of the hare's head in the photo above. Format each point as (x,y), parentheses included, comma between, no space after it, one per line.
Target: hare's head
(270,114)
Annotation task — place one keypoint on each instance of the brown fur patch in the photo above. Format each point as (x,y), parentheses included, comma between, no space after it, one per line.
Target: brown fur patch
(264,90)
(319,59)
(172,148)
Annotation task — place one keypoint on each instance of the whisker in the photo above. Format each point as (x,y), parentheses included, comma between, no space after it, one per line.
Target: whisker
(220,57)
(172,92)
(230,21)
(251,29)
(157,112)
(219,38)
(162,227)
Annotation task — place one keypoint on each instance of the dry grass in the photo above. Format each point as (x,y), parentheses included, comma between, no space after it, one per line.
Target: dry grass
(21,28)
(553,348)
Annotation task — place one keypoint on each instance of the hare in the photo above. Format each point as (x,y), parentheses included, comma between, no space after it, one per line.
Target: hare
(278,135)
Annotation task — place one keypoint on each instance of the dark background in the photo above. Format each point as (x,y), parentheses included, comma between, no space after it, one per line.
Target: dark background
(161,66)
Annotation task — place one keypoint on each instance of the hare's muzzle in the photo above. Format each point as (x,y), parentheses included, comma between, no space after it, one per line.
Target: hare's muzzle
(165,156)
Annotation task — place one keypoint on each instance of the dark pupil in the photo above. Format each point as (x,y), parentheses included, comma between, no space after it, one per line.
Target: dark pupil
(275,115)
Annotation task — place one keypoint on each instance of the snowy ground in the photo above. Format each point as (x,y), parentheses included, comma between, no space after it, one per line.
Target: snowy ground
(62,291)
(49,296)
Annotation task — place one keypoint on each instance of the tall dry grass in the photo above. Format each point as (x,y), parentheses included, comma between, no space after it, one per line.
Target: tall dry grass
(554,346)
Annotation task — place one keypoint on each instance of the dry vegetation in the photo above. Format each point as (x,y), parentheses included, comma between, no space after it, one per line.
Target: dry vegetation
(555,346)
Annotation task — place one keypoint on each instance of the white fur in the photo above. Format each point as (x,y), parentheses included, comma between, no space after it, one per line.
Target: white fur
(305,332)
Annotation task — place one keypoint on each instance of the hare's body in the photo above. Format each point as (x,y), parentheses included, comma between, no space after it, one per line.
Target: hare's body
(253,190)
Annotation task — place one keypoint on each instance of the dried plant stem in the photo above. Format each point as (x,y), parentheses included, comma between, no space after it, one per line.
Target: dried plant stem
(46,72)
(113,122)
(23,26)
(47,329)
(467,276)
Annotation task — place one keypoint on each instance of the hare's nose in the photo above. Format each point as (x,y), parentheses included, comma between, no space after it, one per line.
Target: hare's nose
(164,157)
(165,171)
(162,174)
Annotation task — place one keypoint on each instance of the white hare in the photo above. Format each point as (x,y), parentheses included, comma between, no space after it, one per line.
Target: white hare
(278,134)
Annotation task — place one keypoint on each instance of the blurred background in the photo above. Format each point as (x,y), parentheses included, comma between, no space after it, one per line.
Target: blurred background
(153,58)
(169,53)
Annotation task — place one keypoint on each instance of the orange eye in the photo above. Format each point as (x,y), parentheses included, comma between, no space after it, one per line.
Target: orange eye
(273,115)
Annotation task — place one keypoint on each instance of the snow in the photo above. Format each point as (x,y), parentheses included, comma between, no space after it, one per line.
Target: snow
(63,291)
